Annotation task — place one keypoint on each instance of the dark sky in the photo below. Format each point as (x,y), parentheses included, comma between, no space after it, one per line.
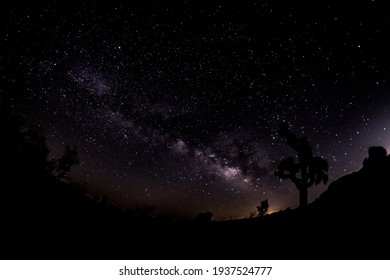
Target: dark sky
(177,104)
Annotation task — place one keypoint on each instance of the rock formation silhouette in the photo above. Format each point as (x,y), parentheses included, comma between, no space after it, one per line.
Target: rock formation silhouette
(361,193)
(351,216)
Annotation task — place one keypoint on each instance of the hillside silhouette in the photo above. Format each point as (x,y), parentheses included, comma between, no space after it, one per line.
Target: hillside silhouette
(354,209)
(44,215)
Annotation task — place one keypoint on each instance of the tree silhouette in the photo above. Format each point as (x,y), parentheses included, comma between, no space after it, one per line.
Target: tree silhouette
(307,171)
(60,167)
(263,208)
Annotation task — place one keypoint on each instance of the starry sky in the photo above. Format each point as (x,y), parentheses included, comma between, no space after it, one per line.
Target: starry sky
(177,103)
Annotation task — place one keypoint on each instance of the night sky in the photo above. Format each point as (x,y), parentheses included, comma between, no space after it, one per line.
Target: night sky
(178,104)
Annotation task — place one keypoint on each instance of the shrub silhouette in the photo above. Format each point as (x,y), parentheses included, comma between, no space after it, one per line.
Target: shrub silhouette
(263,208)
(204,217)
(311,170)
(142,211)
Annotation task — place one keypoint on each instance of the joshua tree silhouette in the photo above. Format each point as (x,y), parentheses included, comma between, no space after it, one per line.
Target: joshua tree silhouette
(313,170)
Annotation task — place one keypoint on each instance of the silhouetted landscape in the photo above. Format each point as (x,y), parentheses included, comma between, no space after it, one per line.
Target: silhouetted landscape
(189,130)
(44,215)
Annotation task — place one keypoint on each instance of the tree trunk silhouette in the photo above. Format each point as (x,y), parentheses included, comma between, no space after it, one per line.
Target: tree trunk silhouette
(303,196)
